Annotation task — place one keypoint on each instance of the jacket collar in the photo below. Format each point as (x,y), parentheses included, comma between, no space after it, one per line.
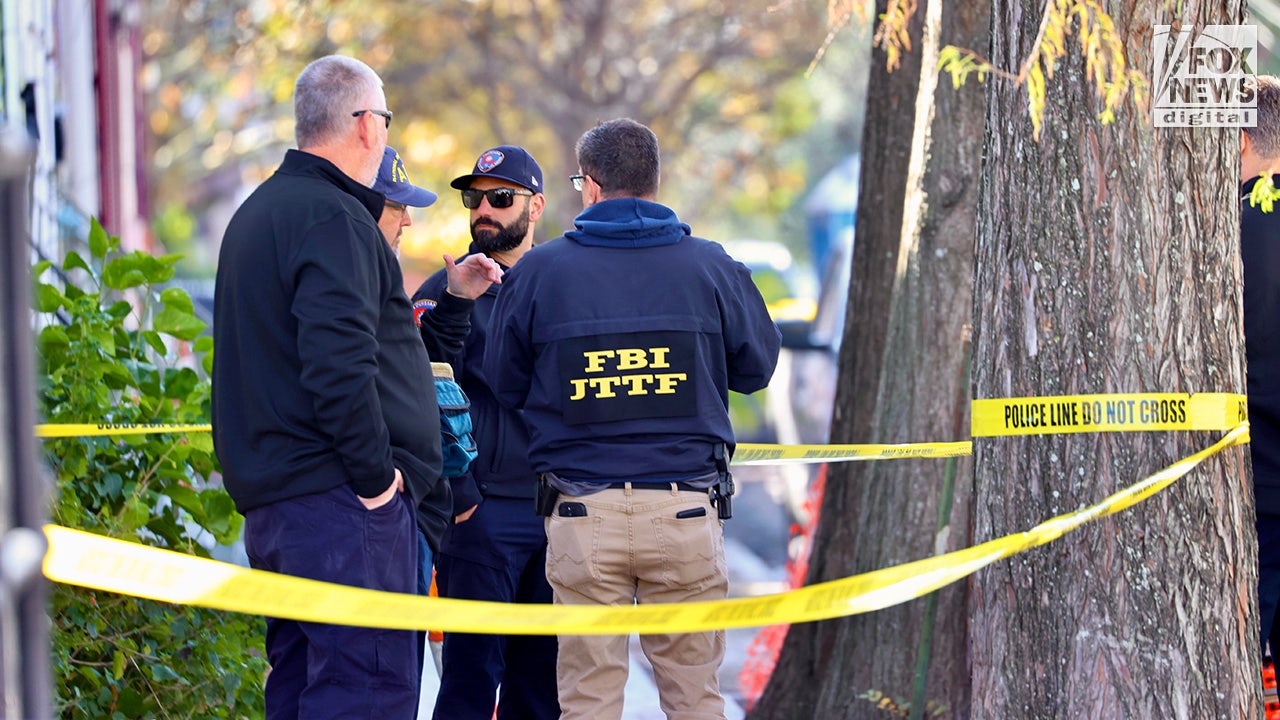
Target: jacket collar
(301,162)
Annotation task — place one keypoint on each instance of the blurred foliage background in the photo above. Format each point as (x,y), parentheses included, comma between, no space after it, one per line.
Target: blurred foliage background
(750,103)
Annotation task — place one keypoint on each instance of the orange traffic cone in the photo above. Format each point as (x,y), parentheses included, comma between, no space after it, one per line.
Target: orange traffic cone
(435,638)
(1269,698)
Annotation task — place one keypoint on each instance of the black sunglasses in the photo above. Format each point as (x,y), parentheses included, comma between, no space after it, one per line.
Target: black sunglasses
(499,198)
(576,180)
(384,113)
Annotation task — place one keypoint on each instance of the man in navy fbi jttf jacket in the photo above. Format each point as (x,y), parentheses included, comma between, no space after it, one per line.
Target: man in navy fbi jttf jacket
(619,343)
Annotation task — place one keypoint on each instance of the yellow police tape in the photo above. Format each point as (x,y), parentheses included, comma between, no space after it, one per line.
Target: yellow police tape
(1117,412)
(746,454)
(762,454)
(991,417)
(93,561)
(66,430)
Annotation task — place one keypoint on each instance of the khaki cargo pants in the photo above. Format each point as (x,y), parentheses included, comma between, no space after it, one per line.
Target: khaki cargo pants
(627,545)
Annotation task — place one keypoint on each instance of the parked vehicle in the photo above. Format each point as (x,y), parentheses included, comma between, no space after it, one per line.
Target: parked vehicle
(785,285)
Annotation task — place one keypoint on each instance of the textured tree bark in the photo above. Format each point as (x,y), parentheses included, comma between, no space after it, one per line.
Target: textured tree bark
(901,380)
(1107,261)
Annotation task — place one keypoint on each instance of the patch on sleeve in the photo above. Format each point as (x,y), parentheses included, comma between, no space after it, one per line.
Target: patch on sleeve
(628,376)
(421,306)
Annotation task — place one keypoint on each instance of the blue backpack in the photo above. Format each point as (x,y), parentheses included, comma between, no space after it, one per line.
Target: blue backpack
(456,442)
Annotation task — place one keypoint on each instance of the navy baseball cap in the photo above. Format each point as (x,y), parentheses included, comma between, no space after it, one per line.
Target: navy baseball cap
(505,162)
(393,181)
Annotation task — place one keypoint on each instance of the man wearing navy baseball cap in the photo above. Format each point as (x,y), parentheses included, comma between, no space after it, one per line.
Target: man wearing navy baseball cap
(496,548)
(393,182)
(505,162)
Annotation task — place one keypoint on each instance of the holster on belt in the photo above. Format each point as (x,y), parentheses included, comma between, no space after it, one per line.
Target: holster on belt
(722,491)
(545,497)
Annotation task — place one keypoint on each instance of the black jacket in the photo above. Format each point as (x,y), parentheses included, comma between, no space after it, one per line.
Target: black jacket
(454,330)
(1260,256)
(319,378)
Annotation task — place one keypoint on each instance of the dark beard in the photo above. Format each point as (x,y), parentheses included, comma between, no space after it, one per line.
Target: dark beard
(491,237)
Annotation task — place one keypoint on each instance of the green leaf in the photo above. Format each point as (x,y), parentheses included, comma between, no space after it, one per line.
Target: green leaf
(136,513)
(131,704)
(120,309)
(187,499)
(1264,194)
(99,241)
(123,273)
(73,261)
(110,485)
(180,383)
(230,683)
(53,337)
(163,673)
(206,363)
(38,269)
(156,342)
(118,376)
(138,268)
(48,298)
(201,441)
(105,339)
(178,299)
(117,665)
(219,511)
(203,344)
(90,676)
(182,325)
(145,376)
(161,270)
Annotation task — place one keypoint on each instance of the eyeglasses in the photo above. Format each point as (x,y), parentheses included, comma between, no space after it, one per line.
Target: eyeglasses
(577,181)
(384,113)
(398,207)
(499,198)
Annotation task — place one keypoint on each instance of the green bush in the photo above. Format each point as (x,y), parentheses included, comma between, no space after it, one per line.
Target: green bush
(103,358)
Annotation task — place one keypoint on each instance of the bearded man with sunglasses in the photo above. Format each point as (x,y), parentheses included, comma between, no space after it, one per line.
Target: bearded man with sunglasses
(496,549)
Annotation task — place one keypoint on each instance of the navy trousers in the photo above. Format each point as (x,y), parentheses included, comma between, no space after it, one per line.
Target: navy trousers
(499,554)
(336,671)
(1269,579)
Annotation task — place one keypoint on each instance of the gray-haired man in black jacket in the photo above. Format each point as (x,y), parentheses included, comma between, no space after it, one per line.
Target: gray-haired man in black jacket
(324,411)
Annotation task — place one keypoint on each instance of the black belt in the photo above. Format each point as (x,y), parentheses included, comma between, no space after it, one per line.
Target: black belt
(655,486)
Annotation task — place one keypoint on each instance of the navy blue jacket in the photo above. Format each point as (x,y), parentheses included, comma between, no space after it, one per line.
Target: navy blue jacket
(454,331)
(319,378)
(621,340)
(1260,256)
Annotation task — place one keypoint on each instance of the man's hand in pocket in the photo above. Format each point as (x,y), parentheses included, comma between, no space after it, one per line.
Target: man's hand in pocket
(397,486)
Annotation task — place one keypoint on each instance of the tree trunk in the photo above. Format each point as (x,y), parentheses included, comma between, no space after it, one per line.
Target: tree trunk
(902,380)
(1107,261)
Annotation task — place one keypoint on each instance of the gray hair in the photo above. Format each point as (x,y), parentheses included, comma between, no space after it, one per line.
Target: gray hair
(326,93)
(1266,136)
(621,156)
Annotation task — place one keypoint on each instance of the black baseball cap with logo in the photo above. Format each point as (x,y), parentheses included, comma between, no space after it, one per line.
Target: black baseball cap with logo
(505,162)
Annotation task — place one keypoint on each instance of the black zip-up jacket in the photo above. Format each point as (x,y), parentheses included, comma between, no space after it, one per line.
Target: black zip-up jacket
(1260,257)
(319,378)
(454,330)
